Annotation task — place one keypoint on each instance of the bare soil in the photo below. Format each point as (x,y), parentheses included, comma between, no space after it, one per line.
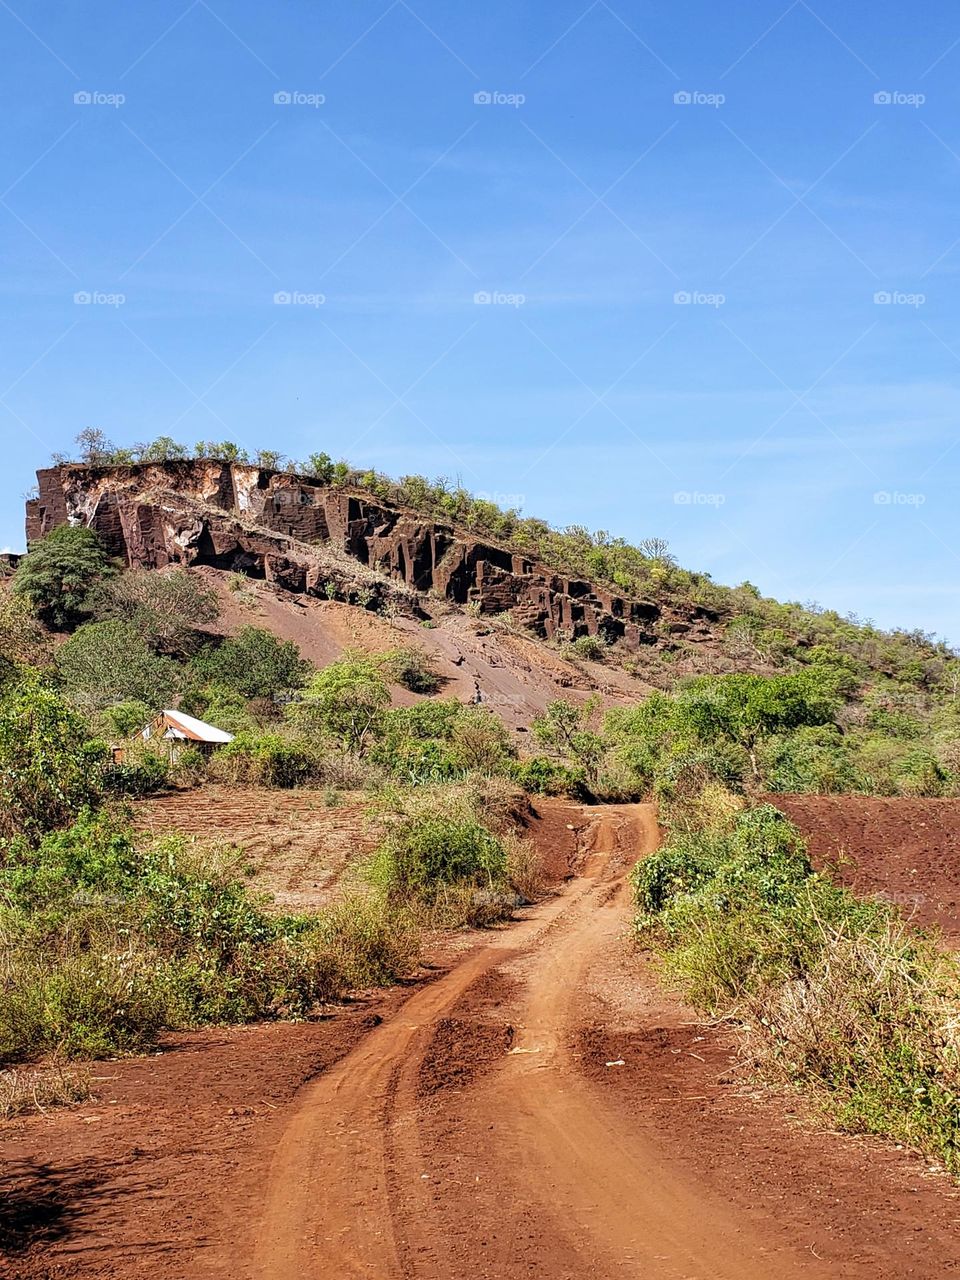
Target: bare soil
(295,845)
(904,850)
(536,1106)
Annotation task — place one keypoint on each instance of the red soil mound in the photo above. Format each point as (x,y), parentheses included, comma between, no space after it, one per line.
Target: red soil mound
(904,850)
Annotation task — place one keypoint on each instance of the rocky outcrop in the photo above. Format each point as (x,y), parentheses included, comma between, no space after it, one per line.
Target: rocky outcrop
(338,542)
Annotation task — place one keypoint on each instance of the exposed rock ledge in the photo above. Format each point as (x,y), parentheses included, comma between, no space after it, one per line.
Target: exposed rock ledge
(308,537)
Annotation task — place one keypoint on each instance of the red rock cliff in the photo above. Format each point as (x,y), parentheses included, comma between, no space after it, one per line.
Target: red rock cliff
(308,537)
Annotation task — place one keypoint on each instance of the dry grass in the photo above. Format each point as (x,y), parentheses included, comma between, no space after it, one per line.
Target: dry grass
(37,1088)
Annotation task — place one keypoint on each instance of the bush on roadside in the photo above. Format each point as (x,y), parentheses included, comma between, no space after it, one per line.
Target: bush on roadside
(106,940)
(835,993)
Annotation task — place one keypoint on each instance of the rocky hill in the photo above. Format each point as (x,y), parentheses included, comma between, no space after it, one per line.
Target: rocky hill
(341,543)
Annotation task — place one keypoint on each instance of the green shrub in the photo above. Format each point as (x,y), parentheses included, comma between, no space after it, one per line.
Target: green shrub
(374,941)
(253,663)
(104,941)
(266,760)
(57,574)
(591,648)
(424,852)
(49,767)
(544,776)
(414,669)
(124,719)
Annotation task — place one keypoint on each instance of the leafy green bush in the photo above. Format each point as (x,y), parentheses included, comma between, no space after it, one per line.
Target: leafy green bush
(57,574)
(253,663)
(49,766)
(424,852)
(267,760)
(124,719)
(816,758)
(104,941)
(544,776)
(23,640)
(374,941)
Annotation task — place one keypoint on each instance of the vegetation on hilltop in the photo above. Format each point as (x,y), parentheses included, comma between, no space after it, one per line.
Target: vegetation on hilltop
(757,631)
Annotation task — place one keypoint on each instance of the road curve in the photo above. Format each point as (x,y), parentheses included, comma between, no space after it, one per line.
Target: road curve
(351,1191)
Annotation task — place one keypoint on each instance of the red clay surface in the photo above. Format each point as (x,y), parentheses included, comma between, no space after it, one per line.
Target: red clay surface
(904,850)
(539,1108)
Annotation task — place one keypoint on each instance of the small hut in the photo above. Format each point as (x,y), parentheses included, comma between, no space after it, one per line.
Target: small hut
(175,730)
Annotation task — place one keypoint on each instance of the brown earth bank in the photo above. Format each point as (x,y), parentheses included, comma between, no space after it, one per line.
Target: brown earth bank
(904,850)
(294,844)
(539,1108)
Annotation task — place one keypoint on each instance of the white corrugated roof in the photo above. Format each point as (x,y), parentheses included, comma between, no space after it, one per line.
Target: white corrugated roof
(198,728)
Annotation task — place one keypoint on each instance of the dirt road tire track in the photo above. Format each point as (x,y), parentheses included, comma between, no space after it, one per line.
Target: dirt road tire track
(578,1192)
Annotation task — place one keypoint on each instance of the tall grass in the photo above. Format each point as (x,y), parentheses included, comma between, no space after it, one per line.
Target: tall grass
(832,993)
(106,941)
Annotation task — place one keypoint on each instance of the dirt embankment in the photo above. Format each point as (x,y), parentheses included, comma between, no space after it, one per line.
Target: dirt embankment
(539,1108)
(906,851)
(294,845)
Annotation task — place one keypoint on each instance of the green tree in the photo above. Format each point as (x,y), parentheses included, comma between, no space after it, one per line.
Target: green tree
(163,449)
(23,641)
(108,662)
(222,451)
(166,608)
(746,708)
(319,466)
(565,730)
(253,662)
(346,701)
(59,572)
(49,768)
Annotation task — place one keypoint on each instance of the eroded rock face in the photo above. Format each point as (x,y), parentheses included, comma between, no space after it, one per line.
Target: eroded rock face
(307,537)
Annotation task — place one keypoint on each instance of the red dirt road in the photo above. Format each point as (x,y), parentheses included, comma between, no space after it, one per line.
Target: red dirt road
(476,1133)
(541,1108)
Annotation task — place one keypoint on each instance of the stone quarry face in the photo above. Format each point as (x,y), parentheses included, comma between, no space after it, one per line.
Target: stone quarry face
(322,540)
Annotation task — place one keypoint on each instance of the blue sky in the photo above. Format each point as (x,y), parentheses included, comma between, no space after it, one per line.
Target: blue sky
(782,166)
